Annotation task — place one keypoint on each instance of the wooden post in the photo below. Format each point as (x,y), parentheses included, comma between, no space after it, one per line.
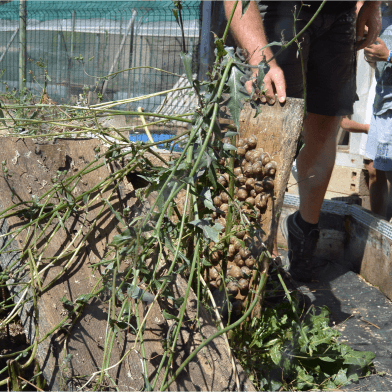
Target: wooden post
(22,44)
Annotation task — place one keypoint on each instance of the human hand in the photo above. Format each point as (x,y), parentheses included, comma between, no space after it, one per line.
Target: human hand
(274,83)
(369,15)
(377,52)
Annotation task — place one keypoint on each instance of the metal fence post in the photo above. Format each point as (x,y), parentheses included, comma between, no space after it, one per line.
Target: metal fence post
(22,44)
(70,58)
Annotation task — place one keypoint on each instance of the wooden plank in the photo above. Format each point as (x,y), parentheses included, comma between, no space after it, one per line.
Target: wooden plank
(277,130)
(360,240)
(369,251)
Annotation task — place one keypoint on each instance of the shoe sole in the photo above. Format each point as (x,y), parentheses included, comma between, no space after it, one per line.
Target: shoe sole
(285,233)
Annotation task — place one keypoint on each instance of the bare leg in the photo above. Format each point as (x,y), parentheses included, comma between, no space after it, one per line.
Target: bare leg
(315,163)
(389,199)
(378,190)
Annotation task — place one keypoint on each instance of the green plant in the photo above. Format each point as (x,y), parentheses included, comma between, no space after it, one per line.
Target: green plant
(182,238)
(281,351)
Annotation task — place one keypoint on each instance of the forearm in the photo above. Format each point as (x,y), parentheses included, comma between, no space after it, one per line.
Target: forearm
(359,6)
(354,126)
(249,32)
(371,3)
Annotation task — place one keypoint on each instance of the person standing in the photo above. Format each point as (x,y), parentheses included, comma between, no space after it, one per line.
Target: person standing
(329,49)
(379,143)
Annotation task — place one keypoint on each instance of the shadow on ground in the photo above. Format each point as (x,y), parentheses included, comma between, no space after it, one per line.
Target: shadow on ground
(361,313)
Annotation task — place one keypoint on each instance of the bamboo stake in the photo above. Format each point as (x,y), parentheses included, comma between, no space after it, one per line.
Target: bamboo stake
(141,110)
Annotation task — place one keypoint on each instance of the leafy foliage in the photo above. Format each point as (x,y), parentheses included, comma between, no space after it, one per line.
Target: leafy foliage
(273,351)
(277,350)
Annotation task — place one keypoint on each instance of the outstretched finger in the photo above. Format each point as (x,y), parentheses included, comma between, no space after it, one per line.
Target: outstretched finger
(269,91)
(279,83)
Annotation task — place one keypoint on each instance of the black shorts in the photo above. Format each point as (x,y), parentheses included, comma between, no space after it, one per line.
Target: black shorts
(328,49)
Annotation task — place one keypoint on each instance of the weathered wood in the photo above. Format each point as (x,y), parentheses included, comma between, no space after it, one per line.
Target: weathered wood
(277,130)
(359,240)
(32,166)
(369,251)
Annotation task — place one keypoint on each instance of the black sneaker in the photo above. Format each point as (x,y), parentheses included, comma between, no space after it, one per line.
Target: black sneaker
(301,249)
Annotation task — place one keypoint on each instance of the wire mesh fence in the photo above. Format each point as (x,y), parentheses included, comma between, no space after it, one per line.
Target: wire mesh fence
(79,42)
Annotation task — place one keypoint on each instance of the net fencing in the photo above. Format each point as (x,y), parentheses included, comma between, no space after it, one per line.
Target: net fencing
(81,42)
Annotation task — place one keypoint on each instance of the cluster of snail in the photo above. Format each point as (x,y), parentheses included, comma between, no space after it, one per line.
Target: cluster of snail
(254,175)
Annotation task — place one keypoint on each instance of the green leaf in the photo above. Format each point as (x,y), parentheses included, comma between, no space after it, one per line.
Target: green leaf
(122,324)
(116,214)
(175,13)
(263,69)
(231,133)
(205,262)
(60,220)
(327,359)
(134,292)
(211,232)
(125,237)
(276,355)
(187,61)
(220,47)
(207,199)
(169,316)
(353,377)
(237,93)
(360,358)
(341,378)
(229,147)
(67,303)
(178,302)
(211,174)
(275,385)
(245,5)
(137,293)
(83,298)
(304,379)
